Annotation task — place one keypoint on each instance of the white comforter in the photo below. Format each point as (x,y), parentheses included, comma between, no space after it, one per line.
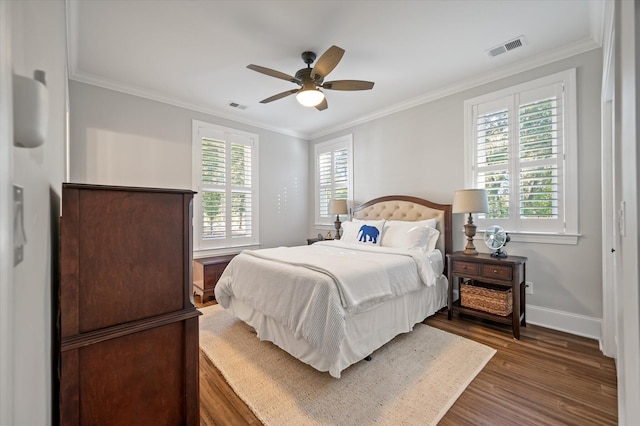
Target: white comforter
(312,289)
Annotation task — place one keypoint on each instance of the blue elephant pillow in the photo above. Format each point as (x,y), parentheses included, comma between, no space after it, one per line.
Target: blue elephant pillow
(363,231)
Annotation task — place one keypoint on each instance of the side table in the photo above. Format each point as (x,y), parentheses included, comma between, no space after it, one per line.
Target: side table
(509,271)
(206,273)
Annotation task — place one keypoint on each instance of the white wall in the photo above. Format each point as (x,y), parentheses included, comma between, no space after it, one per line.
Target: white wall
(420,152)
(37,40)
(121,139)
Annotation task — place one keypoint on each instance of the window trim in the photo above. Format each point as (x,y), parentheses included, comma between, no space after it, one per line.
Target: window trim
(200,245)
(341,142)
(570,145)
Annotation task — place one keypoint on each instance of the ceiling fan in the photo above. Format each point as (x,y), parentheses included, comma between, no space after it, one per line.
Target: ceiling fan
(311,80)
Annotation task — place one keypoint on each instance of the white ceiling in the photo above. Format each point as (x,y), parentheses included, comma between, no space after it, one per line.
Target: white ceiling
(194,53)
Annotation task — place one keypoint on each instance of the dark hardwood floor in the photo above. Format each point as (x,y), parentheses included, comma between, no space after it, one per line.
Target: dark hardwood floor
(545,378)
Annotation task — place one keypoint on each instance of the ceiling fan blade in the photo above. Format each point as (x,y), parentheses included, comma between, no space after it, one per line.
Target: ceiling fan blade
(327,62)
(274,73)
(322,105)
(348,85)
(279,96)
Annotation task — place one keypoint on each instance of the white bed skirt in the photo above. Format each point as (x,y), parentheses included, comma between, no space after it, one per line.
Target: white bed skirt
(365,331)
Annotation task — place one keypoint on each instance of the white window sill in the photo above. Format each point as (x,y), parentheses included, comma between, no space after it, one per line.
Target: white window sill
(199,254)
(536,237)
(325,225)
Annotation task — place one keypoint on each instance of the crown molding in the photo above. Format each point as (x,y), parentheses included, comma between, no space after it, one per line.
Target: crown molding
(553,56)
(135,91)
(567,51)
(76,75)
(597,13)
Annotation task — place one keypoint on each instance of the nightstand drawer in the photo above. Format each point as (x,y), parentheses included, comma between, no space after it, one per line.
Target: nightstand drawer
(497,272)
(468,268)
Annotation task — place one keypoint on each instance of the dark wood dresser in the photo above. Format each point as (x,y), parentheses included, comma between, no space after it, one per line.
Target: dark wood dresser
(128,329)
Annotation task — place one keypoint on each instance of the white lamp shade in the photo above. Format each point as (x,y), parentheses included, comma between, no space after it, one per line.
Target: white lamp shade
(338,207)
(310,97)
(470,201)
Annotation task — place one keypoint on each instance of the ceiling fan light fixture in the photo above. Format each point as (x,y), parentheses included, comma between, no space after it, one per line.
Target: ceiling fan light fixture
(311,80)
(310,97)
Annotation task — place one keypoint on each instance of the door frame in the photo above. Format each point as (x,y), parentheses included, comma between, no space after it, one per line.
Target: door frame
(6,217)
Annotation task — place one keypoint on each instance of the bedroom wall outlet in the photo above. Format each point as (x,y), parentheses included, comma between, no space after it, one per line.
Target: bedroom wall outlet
(528,285)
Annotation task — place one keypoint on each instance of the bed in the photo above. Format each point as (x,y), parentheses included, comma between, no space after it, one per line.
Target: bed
(333,303)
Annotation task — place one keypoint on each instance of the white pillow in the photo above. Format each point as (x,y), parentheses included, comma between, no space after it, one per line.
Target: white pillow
(431,223)
(432,239)
(363,231)
(395,228)
(420,235)
(349,231)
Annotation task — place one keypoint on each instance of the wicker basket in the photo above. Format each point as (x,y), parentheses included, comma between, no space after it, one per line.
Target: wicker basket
(487,297)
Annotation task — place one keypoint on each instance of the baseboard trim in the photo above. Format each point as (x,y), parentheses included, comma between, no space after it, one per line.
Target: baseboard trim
(567,322)
(580,325)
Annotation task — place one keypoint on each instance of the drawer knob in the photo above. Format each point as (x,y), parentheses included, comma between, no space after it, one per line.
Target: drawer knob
(464,266)
(495,271)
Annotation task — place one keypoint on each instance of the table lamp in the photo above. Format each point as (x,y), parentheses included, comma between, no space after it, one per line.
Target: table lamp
(337,207)
(470,201)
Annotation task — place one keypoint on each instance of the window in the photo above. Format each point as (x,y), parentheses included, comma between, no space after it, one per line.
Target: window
(225,176)
(521,147)
(334,175)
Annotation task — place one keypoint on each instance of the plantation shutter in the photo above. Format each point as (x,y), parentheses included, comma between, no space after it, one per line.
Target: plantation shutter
(493,156)
(540,155)
(325,176)
(225,213)
(213,184)
(333,175)
(518,158)
(241,189)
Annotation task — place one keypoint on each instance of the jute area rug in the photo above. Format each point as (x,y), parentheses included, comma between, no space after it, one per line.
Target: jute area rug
(414,379)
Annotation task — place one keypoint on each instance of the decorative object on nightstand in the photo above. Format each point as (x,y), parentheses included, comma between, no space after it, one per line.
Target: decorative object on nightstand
(495,238)
(337,207)
(320,237)
(470,201)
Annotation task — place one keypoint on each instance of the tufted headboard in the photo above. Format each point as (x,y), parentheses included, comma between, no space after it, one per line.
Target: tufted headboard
(402,207)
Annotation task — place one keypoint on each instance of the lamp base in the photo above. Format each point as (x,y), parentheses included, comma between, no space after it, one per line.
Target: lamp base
(470,232)
(338,225)
(470,251)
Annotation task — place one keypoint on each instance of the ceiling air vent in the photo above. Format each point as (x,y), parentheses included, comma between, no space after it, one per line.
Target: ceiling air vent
(236,105)
(507,46)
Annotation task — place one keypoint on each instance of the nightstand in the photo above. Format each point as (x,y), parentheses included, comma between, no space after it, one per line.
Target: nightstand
(509,272)
(315,240)
(206,273)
